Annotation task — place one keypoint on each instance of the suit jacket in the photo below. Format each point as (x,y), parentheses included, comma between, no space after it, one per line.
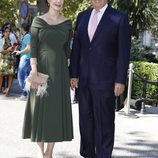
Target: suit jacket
(103,61)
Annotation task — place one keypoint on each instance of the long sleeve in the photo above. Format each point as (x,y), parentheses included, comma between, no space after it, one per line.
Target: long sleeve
(75,54)
(68,45)
(124,44)
(34,42)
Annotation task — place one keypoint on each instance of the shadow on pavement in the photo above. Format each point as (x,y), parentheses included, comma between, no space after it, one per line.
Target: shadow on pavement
(138,147)
(67,155)
(24,157)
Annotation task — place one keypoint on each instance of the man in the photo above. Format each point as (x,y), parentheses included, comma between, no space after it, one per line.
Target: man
(24,65)
(98,67)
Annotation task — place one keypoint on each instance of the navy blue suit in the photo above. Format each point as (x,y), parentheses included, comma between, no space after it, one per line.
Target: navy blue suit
(99,64)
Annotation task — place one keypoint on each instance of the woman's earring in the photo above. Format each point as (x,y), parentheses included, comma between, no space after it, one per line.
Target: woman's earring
(48,4)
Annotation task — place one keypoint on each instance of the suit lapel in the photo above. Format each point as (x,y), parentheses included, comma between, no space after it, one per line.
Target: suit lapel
(102,23)
(86,20)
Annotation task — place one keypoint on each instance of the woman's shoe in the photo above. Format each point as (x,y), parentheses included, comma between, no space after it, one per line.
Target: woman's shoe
(4,91)
(7,92)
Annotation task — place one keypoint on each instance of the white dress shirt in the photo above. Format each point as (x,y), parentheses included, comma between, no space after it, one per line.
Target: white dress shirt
(100,14)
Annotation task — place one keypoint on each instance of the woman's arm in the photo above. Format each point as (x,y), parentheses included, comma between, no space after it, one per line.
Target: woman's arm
(8,50)
(25,50)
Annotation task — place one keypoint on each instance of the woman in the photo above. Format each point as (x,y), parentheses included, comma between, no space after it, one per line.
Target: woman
(48,119)
(12,35)
(14,40)
(6,60)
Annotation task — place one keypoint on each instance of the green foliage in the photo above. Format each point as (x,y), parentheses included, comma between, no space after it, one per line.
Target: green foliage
(141,54)
(72,9)
(151,57)
(143,14)
(32,1)
(137,54)
(154,29)
(150,70)
(8,11)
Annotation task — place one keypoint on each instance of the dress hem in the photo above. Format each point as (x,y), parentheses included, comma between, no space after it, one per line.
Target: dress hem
(53,140)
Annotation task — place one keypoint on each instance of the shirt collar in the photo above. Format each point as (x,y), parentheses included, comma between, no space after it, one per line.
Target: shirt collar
(102,10)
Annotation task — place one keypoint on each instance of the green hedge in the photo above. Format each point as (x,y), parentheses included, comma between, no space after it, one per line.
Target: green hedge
(150,70)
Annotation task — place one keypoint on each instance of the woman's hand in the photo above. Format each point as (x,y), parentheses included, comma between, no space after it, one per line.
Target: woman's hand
(10,49)
(34,85)
(33,72)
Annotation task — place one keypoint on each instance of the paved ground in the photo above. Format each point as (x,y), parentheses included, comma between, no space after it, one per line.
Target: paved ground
(135,137)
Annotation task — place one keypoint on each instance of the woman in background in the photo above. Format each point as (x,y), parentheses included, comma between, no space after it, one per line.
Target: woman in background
(6,60)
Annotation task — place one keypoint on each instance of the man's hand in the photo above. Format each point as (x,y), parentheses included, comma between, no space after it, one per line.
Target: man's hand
(119,88)
(18,52)
(74,83)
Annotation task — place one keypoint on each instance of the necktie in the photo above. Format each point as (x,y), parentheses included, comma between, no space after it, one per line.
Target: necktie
(93,25)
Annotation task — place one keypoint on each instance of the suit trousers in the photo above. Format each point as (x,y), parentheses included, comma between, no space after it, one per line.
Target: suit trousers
(96,120)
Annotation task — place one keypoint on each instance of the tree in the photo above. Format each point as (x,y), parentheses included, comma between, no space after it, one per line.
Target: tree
(72,9)
(143,14)
(8,11)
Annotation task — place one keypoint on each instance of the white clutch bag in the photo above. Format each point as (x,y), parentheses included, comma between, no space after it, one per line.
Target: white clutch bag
(41,79)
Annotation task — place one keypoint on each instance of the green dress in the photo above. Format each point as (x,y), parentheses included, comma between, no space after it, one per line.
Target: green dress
(49,118)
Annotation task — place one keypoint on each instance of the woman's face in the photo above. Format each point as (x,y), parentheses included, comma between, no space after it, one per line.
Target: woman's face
(6,33)
(56,4)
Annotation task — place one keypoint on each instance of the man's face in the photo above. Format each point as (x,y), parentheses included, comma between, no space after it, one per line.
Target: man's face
(98,4)
(22,31)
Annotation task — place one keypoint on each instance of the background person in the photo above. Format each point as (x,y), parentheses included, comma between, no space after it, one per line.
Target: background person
(14,40)
(6,60)
(12,35)
(24,64)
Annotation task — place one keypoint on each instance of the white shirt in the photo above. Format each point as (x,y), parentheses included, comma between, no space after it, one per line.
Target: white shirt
(100,14)
(12,37)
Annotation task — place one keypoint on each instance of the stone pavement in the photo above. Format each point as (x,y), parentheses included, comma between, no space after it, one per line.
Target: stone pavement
(134,138)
